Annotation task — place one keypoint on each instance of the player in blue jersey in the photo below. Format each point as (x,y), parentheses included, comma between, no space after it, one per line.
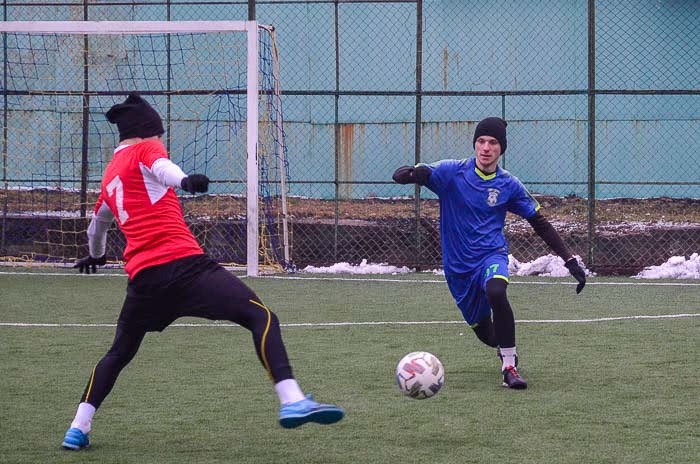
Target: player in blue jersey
(475,195)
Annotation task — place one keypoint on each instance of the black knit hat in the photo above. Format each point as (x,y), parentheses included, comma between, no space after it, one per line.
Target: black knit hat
(135,118)
(494,127)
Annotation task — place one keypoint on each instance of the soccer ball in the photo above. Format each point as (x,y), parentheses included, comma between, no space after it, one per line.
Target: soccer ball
(420,375)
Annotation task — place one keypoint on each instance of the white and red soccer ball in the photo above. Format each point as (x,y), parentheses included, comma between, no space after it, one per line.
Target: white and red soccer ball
(420,375)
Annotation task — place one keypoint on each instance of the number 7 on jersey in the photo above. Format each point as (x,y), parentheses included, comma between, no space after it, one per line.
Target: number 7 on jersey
(116,185)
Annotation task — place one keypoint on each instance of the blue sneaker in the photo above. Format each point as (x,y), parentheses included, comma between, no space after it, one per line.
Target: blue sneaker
(307,410)
(75,440)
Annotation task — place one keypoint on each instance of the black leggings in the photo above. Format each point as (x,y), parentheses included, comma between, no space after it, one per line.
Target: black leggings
(500,331)
(193,286)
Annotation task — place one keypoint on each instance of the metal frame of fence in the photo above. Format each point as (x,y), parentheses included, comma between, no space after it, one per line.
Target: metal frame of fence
(419,93)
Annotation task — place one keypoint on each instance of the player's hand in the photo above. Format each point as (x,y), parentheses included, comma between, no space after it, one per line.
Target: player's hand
(403,175)
(412,175)
(578,273)
(90,263)
(195,183)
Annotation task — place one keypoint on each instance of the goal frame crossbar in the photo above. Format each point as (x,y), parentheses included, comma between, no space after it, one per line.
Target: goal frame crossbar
(125,27)
(252,90)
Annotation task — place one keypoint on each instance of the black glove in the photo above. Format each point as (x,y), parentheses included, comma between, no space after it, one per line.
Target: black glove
(88,263)
(412,175)
(195,183)
(578,273)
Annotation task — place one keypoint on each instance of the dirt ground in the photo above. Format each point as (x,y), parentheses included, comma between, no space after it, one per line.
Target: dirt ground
(562,210)
(566,209)
(629,235)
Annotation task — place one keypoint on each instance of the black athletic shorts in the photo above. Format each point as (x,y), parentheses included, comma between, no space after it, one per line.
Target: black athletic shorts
(194,286)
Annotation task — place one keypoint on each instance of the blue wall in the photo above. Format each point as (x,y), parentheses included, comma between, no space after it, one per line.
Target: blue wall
(479,46)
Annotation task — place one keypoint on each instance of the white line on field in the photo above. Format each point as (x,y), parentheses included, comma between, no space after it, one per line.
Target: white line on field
(368,323)
(409,281)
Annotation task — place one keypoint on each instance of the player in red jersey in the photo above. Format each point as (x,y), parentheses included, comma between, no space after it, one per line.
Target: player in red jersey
(170,276)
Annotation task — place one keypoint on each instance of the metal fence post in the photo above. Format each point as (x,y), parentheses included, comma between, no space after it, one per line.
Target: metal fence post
(86,122)
(503,116)
(419,87)
(4,134)
(591,132)
(336,136)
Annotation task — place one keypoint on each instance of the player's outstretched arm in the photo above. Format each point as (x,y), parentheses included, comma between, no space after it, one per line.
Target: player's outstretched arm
(170,175)
(546,231)
(419,174)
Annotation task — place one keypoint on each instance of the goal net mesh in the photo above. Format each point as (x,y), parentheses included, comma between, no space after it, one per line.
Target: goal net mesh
(56,141)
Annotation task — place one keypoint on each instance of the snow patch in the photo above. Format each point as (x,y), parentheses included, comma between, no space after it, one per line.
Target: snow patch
(363,268)
(677,267)
(546,266)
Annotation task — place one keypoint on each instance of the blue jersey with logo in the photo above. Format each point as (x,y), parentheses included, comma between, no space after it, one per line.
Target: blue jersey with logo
(473,208)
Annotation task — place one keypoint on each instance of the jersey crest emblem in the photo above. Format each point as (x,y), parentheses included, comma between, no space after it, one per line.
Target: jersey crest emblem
(492,199)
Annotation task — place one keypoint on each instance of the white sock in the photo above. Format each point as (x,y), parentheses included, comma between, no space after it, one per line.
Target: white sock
(508,357)
(83,418)
(289,391)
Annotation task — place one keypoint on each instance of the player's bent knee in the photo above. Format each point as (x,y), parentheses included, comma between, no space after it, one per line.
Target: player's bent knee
(496,290)
(274,320)
(120,357)
(259,317)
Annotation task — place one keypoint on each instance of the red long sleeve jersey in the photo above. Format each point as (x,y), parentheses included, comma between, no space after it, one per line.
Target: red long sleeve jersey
(148,212)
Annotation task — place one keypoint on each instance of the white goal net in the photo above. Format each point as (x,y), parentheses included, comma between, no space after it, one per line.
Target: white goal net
(216,86)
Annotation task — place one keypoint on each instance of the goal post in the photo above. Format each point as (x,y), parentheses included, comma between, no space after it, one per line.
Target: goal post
(252,153)
(216,85)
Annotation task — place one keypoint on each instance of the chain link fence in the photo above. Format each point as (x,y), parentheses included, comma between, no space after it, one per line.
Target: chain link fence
(602,100)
